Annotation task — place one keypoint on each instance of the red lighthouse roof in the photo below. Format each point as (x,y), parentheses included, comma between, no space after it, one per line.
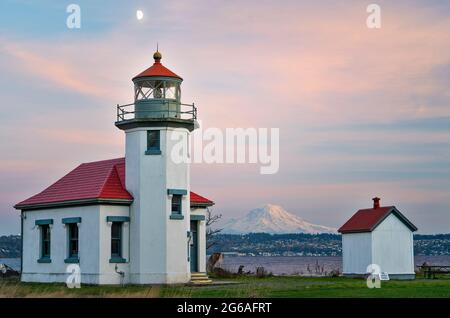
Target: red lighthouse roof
(92,183)
(157,69)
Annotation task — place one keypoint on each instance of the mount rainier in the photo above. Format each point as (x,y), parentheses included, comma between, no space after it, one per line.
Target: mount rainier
(272,219)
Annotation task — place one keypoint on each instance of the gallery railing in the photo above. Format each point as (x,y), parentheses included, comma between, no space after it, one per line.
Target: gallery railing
(156,109)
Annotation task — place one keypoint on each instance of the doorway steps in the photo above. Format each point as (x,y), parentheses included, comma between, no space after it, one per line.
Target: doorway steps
(199,278)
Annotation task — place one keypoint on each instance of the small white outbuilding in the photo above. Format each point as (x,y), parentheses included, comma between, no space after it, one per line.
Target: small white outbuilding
(382,236)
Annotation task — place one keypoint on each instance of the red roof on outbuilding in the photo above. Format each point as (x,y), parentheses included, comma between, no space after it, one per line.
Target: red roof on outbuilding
(366,220)
(100,180)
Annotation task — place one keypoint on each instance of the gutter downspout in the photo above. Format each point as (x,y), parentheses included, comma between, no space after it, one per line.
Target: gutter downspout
(21,242)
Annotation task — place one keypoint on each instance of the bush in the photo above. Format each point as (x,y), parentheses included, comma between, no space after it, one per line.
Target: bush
(261,272)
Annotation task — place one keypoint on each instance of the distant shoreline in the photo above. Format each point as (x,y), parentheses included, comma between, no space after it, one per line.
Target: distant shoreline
(287,245)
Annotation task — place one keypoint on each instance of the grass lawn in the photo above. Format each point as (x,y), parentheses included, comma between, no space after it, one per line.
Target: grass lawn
(242,287)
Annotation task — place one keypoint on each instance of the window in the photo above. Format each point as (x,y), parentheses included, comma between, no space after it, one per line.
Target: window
(153,141)
(116,240)
(45,241)
(73,240)
(176,204)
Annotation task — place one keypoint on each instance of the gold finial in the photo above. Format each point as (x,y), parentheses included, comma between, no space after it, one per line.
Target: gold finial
(157,56)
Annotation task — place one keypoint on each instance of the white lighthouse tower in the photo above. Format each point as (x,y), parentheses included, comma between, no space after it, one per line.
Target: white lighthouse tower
(154,124)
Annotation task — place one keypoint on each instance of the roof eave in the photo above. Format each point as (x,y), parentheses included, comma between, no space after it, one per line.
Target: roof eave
(405,220)
(157,77)
(92,201)
(202,204)
(354,231)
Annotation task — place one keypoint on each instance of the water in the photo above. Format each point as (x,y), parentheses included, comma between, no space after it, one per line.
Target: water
(283,265)
(14,263)
(298,265)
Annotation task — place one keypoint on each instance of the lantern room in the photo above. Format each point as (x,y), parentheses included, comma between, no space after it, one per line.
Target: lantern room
(157,83)
(157,96)
(157,91)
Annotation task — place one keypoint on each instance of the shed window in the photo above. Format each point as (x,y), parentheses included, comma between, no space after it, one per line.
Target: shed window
(176,204)
(45,241)
(73,240)
(116,239)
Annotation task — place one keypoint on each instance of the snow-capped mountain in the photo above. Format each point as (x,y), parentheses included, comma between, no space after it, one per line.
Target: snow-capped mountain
(272,219)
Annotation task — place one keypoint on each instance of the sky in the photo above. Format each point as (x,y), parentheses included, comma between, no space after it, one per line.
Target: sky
(362,112)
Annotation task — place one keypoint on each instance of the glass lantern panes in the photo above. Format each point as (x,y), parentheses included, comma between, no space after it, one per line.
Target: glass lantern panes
(157,89)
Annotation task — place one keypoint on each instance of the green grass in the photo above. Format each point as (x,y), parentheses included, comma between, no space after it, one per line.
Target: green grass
(242,287)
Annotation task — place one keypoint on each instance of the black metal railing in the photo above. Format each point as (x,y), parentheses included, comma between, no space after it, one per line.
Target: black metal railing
(163,109)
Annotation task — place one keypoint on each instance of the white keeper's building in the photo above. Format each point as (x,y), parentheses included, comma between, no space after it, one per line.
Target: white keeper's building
(126,220)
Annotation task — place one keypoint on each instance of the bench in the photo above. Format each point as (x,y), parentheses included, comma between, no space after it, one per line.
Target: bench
(430,271)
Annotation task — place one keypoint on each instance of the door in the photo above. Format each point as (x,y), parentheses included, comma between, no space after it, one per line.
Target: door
(194,247)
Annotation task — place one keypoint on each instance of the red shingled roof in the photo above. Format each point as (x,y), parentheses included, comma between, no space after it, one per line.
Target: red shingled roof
(100,180)
(366,220)
(199,200)
(157,69)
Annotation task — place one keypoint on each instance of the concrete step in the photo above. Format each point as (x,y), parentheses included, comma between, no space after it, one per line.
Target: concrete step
(200,278)
(201,282)
(199,275)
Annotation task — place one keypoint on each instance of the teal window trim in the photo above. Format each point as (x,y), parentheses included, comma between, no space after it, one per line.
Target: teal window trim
(117,260)
(73,241)
(195,217)
(153,152)
(153,142)
(45,241)
(117,219)
(44,260)
(116,240)
(176,217)
(43,222)
(177,204)
(71,220)
(72,260)
(177,191)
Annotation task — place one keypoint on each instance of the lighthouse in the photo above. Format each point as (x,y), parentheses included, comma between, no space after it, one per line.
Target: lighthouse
(125,220)
(160,213)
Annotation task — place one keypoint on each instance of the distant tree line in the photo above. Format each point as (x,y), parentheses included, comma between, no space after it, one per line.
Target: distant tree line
(10,246)
(312,244)
(258,243)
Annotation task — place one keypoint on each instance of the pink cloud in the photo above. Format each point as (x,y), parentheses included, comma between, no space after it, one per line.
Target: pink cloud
(57,72)
(80,137)
(295,62)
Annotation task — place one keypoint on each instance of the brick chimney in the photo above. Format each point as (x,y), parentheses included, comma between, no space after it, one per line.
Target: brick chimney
(376,202)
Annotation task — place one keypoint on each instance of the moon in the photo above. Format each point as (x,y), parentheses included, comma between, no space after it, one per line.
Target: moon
(139,14)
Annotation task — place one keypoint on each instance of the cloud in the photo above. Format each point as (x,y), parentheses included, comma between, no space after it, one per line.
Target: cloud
(55,71)
(336,89)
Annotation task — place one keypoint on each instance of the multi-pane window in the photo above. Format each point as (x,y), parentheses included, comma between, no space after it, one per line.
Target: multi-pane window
(145,90)
(176,204)
(116,239)
(153,143)
(45,241)
(73,240)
